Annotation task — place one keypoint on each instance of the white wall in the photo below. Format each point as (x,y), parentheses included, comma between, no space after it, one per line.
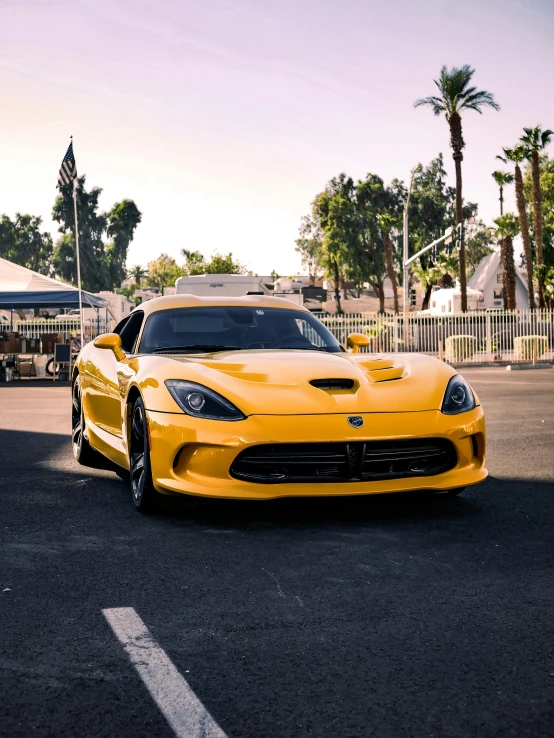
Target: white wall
(492,303)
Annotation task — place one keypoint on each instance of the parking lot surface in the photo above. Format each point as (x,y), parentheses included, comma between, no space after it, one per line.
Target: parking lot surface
(383,616)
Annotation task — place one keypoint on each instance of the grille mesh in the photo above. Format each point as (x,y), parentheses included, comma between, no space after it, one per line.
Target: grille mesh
(344,462)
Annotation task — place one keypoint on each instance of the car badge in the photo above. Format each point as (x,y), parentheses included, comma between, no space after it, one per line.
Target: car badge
(355,421)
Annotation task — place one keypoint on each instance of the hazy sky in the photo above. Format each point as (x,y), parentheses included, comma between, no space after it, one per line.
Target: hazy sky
(223,118)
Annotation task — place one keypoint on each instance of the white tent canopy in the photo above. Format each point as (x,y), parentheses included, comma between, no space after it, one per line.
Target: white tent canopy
(22,288)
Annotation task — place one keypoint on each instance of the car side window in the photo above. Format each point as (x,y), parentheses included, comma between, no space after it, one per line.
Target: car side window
(119,327)
(130,331)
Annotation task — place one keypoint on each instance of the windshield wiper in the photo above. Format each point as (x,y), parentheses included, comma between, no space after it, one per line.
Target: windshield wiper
(200,347)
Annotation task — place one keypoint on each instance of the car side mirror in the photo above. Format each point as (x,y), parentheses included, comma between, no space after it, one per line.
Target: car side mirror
(110,341)
(356,341)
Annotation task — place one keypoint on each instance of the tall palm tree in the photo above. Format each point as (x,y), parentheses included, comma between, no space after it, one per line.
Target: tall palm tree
(507,226)
(455,96)
(138,273)
(535,140)
(387,223)
(516,156)
(502,179)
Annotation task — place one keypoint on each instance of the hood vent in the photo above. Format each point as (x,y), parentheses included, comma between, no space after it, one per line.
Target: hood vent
(333,384)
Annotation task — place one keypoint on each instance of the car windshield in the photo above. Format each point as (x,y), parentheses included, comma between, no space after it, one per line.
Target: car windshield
(194,330)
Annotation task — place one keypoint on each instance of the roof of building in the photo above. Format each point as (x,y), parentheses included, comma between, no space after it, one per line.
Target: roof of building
(487,270)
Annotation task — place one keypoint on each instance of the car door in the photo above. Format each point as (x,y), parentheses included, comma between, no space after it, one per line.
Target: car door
(103,396)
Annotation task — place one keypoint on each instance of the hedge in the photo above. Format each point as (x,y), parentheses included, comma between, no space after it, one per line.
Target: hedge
(460,348)
(523,346)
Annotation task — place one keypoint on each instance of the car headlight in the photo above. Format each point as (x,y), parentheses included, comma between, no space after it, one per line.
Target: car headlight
(458,397)
(201,402)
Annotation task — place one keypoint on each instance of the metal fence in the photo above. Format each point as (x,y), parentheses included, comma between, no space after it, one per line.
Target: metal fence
(38,327)
(464,338)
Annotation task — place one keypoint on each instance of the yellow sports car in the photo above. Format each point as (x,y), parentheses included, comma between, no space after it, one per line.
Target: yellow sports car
(254,398)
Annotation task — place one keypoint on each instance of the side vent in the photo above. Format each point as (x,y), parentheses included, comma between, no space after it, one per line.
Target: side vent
(333,384)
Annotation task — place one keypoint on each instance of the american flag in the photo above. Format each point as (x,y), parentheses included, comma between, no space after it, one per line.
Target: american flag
(68,169)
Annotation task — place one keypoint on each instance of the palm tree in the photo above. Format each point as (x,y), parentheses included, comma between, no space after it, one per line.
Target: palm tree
(455,96)
(535,140)
(502,179)
(138,273)
(507,226)
(387,223)
(516,156)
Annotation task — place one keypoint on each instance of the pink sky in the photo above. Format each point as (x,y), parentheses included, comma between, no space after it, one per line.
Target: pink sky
(222,119)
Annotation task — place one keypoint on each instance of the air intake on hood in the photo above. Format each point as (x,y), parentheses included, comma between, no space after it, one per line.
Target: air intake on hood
(332,384)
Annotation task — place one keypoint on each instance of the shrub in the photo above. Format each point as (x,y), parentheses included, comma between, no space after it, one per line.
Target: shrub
(460,348)
(523,346)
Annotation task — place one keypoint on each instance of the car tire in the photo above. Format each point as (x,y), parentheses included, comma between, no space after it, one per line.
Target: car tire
(143,494)
(82,450)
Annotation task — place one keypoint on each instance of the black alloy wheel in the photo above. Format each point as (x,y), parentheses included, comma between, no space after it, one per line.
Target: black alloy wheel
(142,488)
(82,450)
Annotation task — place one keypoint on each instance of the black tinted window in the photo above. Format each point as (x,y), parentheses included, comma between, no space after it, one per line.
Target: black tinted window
(129,332)
(119,327)
(217,328)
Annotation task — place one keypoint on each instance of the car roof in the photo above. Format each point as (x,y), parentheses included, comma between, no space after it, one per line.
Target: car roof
(170,302)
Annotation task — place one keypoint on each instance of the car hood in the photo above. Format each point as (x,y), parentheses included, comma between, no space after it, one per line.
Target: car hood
(284,382)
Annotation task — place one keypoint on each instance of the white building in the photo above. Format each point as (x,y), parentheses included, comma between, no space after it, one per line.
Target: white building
(449,301)
(488,279)
(119,305)
(147,294)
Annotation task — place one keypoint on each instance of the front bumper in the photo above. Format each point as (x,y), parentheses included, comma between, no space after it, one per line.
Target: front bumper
(193,456)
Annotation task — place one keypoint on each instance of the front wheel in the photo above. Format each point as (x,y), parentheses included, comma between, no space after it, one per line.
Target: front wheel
(82,450)
(142,488)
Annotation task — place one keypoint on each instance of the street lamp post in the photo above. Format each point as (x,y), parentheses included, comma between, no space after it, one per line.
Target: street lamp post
(405,259)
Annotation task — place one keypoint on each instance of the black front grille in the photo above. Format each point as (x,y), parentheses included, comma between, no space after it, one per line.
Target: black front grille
(344,462)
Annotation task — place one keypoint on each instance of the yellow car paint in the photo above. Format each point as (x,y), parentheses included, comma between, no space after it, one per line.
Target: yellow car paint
(399,396)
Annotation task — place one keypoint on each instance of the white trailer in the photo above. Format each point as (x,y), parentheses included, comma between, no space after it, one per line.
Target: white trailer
(220,285)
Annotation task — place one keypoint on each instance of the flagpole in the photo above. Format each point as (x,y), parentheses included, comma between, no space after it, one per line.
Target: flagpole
(78,263)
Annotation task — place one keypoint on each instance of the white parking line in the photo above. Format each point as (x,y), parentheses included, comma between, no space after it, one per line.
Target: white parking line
(180,706)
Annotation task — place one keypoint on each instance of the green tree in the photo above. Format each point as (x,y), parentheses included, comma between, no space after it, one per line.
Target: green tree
(138,273)
(164,271)
(387,223)
(455,96)
(375,200)
(535,140)
(224,264)
(194,262)
(547,191)
(478,242)
(516,156)
(431,211)
(502,179)
(92,226)
(310,247)
(123,219)
(22,242)
(507,227)
(102,266)
(335,213)
(440,272)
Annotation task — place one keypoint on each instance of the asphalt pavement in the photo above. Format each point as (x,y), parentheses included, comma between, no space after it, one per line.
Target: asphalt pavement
(400,617)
